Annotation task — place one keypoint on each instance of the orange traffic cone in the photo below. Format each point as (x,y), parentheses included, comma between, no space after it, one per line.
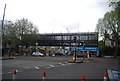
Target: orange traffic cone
(44,75)
(105,76)
(83,77)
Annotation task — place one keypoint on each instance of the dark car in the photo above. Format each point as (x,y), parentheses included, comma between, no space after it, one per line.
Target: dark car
(59,54)
(44,53)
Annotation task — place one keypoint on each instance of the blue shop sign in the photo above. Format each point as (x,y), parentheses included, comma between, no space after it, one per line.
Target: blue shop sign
(85,49)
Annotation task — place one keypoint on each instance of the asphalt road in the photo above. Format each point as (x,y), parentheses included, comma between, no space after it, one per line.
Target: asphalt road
(56,68)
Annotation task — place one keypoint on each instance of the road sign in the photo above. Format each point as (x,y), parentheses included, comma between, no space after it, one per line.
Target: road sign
(113,75)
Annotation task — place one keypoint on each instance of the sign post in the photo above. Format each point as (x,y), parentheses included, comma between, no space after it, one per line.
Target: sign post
(75,52)
(113,75)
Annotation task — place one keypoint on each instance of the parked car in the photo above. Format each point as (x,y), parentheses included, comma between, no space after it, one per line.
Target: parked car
(44,53)
(59,54)
(38,54)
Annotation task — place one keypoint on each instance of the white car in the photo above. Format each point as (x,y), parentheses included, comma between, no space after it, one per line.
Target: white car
(38,54)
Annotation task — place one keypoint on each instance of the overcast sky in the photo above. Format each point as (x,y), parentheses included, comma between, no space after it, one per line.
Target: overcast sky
(57,15)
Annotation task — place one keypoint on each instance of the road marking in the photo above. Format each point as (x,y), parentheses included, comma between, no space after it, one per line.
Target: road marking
(36,67)
(16,71)
(51,65)
(19,71)
(47,67)
(63,64)
(59,63)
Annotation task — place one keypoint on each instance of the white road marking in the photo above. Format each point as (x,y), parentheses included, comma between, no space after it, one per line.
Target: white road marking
(16,70)
(59,63)
(19,71)
(36,67)
(51,65)
(12,72)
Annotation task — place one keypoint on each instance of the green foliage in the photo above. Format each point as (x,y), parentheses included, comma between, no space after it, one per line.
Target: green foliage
(109,27)
(29,39)
(20,32)
(105,50)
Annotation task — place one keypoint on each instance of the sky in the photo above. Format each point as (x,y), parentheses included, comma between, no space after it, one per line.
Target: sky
(57,16)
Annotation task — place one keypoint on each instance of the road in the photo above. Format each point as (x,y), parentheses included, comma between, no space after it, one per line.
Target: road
(56,67)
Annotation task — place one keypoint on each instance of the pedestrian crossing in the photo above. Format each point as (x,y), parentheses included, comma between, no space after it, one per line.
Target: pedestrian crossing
(39,68)
(54,65)
(58,65)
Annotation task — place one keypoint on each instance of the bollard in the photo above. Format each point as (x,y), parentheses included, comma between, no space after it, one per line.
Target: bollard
(83,77)
(14,74)
(105,77)
(44,75)
(88,56)
(73,58)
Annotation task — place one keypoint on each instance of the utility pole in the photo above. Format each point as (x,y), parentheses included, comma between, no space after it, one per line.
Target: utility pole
(2,30)
(3,20)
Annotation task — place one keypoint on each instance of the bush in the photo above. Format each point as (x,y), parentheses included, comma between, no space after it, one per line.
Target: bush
(109,51)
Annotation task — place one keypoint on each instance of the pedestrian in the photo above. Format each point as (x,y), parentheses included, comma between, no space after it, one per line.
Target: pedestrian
(83,55)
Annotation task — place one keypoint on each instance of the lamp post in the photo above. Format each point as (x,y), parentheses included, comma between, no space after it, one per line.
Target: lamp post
(3,20)
(2,30)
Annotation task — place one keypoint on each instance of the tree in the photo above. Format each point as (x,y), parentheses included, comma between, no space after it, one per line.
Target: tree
(109,26)
(20,32)
(23,26)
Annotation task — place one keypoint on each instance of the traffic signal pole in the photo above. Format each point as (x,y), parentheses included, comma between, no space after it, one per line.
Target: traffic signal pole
(75,53)
(75,40)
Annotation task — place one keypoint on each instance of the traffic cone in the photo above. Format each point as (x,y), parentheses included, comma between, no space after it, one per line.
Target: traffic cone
(44,75)
(105,76)
(14,74)
(83,77)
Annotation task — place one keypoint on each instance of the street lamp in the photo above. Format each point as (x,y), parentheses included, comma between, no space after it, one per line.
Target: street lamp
(2,30)
(3,20)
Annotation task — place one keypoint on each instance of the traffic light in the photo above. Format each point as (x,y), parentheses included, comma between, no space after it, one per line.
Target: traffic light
(74,39)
